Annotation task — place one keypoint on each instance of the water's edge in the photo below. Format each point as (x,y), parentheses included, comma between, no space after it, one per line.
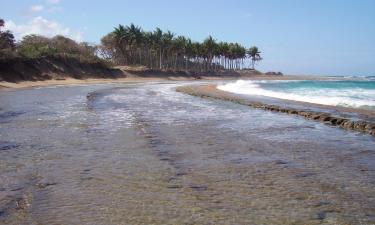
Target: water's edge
(357,94)
(210,91)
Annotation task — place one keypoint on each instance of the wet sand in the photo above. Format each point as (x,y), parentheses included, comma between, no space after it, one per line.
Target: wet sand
(71,81)
(130,79)
(145,154)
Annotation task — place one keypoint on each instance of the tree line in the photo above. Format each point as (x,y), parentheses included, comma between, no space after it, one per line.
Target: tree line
(35,46)
(131,45)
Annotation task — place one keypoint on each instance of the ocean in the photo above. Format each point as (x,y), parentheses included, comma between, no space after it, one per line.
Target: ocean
(354,93)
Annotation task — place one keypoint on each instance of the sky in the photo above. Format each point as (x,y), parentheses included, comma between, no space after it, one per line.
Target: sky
(317,37)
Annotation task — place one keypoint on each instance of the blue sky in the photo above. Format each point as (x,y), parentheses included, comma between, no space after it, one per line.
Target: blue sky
(320,37)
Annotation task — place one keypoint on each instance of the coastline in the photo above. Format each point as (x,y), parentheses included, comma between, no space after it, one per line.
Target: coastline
(69,81)
(139,78)
(364,122)
(342,121)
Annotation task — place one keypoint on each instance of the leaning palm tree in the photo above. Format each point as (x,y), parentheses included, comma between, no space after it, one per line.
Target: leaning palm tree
(254,54)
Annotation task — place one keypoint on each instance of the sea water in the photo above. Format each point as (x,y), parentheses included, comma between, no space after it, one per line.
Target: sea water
(355,93)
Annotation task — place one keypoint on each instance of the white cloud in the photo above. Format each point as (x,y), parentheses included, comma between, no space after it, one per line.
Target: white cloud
(41,26)
(36,8)
(53,1)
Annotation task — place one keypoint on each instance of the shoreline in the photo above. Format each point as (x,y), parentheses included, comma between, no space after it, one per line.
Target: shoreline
(345,122)
(71,81)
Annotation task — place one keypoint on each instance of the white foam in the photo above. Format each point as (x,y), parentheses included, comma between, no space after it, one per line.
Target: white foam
(344,97)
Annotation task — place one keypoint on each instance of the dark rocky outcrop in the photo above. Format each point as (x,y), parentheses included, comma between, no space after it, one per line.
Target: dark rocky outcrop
(275,73)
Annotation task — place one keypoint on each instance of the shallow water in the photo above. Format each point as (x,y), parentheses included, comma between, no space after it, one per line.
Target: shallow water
(145,154)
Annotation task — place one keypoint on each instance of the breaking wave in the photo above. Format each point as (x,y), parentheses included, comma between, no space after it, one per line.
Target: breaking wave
(356,94)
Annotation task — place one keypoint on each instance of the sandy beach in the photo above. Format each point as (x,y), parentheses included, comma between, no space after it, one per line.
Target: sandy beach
(71,81)
(134,78)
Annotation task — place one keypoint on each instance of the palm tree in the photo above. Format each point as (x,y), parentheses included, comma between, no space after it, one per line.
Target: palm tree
(121,39)
(189,52)
(223,51)
(179,48)
(131,45)
(148,45)
(254,54)
(135,40)
(157,43)
(166,41)
(209,48)
(197,55)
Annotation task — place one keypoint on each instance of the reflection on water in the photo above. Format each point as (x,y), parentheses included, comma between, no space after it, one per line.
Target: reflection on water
(144,154)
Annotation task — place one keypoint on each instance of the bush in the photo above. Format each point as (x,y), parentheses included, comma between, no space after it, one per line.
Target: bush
(33,46)
(6,38)
(37,46)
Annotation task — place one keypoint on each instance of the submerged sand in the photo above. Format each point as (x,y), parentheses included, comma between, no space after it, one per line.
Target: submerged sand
(144,154)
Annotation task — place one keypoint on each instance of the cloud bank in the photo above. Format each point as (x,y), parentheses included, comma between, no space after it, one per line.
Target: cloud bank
(42,26)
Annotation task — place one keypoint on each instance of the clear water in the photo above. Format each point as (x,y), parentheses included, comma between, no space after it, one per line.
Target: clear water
(145,154)
(347,93)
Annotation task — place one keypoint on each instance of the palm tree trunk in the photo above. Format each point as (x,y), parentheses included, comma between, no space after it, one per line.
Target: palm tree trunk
(160,65)
(186,60)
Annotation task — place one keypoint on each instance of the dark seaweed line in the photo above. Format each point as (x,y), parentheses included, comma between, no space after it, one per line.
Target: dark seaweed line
(326,118)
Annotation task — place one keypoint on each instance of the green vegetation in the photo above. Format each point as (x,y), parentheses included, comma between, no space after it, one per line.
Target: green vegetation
(36,46)
(254,54)
(7,43)
(131,45)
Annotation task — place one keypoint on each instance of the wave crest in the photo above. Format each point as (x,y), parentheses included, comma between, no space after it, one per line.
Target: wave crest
(348,97)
